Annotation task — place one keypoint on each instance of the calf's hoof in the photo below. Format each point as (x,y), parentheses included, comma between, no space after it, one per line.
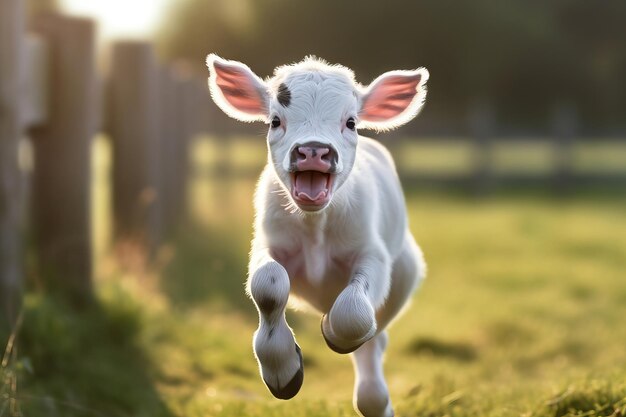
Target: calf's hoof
(372,399)
(342,347)
(289,390)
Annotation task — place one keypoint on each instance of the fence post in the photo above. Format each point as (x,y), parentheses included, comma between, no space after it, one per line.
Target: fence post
(482,128)
(169,143)
(134,127)
(62,148)
(564,126)
(184,135)
(11,58)
(204,106)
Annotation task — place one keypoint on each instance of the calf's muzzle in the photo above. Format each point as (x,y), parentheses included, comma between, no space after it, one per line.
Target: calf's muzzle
(313,156)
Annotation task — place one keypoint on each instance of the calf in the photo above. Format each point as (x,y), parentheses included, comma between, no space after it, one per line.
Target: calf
(331,226)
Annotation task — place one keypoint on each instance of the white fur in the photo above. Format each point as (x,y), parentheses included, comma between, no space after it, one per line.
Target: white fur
(355,260)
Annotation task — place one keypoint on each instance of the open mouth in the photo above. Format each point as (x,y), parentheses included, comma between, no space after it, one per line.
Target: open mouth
(311,190)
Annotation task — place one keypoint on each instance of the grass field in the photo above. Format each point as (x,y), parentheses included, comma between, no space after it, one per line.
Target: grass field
(523,313)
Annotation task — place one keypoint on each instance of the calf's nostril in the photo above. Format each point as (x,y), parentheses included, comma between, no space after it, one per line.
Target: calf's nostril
(301,155)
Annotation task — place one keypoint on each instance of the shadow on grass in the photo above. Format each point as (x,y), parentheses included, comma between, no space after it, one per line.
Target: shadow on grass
(462,352)
(85,363)
(208,268)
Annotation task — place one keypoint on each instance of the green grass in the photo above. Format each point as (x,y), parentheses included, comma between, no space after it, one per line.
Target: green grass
(522,314)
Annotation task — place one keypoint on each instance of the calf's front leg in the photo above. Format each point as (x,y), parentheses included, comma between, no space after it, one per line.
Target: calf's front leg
(278,354)
(352,319)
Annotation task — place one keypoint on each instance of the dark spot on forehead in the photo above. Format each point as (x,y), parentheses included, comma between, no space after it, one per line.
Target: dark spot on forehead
(284,95)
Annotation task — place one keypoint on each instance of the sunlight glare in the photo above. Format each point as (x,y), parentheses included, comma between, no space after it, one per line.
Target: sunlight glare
(120,18)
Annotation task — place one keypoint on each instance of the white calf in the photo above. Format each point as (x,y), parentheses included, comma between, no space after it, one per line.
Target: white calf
(331,227)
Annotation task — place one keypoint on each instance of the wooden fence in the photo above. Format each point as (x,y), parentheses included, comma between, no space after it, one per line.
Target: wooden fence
(52,91)
(11,59)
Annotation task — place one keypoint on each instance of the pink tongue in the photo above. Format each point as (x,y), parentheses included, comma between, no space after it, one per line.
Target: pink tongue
(311,184)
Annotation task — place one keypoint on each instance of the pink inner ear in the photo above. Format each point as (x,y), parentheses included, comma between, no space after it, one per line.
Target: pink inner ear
(389,97)
(239,89)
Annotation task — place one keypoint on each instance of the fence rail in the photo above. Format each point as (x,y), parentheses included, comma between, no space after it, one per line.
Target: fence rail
(453,161)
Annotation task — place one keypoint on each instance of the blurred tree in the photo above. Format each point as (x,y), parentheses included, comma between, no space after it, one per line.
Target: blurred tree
(522,55)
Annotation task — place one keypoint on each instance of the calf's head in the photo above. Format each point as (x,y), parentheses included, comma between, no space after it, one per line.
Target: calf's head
(313,111)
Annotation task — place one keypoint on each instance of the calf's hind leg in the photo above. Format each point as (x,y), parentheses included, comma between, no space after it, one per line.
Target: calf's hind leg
(408,270)
(371,397)
(278,354)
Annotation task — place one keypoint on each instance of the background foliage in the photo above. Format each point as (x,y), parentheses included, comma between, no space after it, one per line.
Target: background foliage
(524,56)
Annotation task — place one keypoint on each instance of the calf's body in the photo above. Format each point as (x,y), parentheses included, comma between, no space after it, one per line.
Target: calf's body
(322,252)
(331,228)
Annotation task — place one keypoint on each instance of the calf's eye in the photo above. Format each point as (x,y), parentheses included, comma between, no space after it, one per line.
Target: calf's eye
(350,123)
(275,122)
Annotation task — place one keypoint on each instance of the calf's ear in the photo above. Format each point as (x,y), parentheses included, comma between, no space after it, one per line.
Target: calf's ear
(238,91)
(393,99)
